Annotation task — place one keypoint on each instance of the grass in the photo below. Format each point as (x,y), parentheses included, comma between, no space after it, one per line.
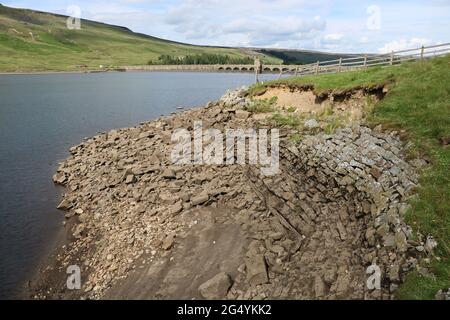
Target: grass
(53,47)
(347,80)
(291,109)
(333,124)
(262,106)
(418,103)
(286,120)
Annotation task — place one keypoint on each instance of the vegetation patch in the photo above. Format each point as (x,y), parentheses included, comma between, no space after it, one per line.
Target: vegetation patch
(203,58)
(262,106)
(286,120)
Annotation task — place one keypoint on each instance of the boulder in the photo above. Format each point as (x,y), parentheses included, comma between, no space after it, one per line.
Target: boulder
(216,287)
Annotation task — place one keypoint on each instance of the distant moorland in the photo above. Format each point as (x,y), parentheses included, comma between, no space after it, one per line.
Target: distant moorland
(39,41)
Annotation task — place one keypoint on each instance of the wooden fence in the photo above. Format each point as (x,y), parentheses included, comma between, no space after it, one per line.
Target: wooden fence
(370,60)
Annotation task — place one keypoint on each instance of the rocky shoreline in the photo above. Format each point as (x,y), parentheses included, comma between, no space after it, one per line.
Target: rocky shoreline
(140,227)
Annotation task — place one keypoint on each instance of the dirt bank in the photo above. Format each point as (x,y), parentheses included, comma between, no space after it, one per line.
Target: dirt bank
(352,103)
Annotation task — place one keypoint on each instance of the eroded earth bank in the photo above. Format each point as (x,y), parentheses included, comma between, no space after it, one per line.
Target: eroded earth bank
(140,227)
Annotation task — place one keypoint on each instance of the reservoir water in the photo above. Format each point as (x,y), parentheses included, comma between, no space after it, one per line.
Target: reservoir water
(43,115)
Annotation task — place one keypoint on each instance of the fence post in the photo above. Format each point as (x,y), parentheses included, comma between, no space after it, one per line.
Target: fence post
(317,67)
(365,61)
(340,64)
(258,69)
(392,58)
(296,71)
(422,52)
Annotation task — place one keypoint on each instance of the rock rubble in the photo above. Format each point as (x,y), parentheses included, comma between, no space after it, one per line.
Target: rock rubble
(335,208)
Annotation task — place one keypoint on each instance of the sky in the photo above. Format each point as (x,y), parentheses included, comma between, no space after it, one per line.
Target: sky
(325,25)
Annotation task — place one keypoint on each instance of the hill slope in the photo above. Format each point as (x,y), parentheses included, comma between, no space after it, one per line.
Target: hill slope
(302,56)
(38,41)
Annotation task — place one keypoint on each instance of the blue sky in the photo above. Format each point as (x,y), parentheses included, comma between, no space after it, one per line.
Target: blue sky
(335,26)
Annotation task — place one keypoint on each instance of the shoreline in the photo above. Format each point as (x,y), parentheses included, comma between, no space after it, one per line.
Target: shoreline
(135,69)
(142,187)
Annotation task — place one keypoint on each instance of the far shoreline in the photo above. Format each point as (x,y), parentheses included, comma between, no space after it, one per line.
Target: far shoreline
(139,69)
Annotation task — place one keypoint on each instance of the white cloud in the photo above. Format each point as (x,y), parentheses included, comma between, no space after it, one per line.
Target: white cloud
(333,37)
(403,44)
(341,26)
(249,23)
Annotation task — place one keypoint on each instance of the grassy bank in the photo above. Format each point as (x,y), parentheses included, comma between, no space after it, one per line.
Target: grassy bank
(37,41)
(418,103)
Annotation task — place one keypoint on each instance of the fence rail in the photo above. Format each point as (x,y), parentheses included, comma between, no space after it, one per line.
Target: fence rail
(370,60)
(329,66)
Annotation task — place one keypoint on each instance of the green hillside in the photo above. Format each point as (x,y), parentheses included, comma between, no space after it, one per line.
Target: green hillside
(301,56)
(37,41)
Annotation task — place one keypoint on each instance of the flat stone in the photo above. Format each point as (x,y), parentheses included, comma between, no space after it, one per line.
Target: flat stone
(400,241)
(276,235)
(394,273)
(146,135)
(199,199)
(216,287)
(319,287)
(64,205)
(241,114)
(130,179)
(389,240)
(59,178)
(143,170)
(169,173)
(168,242)
(176,209)
(341,230)
(256,270)
(383,230)
(346,181)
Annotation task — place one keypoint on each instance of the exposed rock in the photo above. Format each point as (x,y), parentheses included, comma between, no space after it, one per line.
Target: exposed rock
(168,242)
(336,206)
(216,287)
(65,205)
(311,124)
(59,178)
(169,173)
(241,114)
(199,199)
(319,287)
(443,294)
(130,179)
(256,270)
(176,209)
(430,244)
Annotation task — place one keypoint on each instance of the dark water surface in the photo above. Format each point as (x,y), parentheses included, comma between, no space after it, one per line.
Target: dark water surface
(41,116)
